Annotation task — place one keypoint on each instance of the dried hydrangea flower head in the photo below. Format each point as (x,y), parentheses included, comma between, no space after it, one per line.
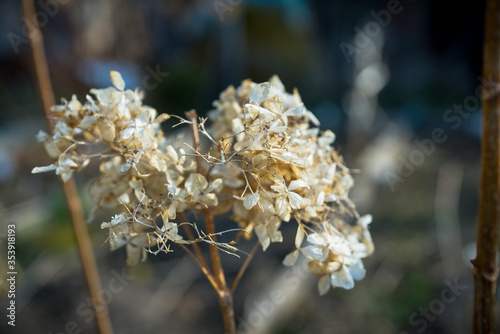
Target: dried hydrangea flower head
(262,161)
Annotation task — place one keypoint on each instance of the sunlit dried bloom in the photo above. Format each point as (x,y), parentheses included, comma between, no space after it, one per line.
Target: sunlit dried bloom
(261,160)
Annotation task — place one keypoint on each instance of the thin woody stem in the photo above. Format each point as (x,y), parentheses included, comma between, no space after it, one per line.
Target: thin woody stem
(73,201)
(244,267)
(204,269)
(193,127)
(191,237)
(209,220)
(488,225)
(214,252)
(225,294)
(223,291)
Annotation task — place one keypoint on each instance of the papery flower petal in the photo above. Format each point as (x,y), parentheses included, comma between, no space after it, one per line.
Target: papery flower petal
(259,92)
(107,130)
(357,270)
(210,200)
(65,169)
(291,258)
(279,188)
(317,240)
(299,237)
(276,83)
(327,138)
(296,184)
(257,111)
(310,211)
(296,111)
(116,220)
(215,186)
(275,104)
(196,183)
(87,121)
(320,199)
(343,279)
(158,162)
(347,182)
(261,232)
(43,169)
(41,136)
(124,198)
(273,231)
(295,200)
(251,200)
(162,118)
(281,207)
(117,80)
(316,267)
(277,127)
(365,220)
(324,284)
(312,252)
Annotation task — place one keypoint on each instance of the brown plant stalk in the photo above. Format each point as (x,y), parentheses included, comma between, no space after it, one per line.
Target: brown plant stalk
(244,266)
(191,237)
(70,191)
(486,262)
(224,293)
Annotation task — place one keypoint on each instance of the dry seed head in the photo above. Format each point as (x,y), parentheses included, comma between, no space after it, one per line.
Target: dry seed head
(261,160)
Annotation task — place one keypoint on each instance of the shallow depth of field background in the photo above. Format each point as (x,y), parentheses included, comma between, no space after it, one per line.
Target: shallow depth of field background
(384,98)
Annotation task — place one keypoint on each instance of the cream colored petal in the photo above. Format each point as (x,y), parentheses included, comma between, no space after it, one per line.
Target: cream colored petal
(324,284)
(281,207)
(43,169)
(312,252)
(210,200)
(251,200)
(196,183)
(87,121)
(291,258)
(276,83)
(261,232)
(295,200)
(296,184)
(162,118)
(259,93)
(317,240)
(357,270)
(117,80)
(342,278)
(215,186)
(107,130)
(296,111)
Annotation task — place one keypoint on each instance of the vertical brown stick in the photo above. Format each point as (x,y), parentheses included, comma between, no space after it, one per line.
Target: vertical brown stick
(72,199)
(224,292)
(486,262)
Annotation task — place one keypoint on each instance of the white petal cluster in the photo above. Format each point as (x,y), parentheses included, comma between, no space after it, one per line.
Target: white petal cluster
(336,257)
(290,171)
(260,160)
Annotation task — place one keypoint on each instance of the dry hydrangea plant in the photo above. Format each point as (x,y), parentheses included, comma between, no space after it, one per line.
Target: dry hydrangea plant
(260,159)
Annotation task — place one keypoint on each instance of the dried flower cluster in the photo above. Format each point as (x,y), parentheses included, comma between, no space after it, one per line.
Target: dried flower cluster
(260,159)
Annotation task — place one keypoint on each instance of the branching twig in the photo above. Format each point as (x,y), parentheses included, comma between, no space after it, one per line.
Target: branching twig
(244,267)
(190,235)
(223,291)
(73,201)
(191,115)
(486,262)
(205,271)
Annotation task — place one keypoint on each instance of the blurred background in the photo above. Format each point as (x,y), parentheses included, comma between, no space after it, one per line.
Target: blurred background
(395,80)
